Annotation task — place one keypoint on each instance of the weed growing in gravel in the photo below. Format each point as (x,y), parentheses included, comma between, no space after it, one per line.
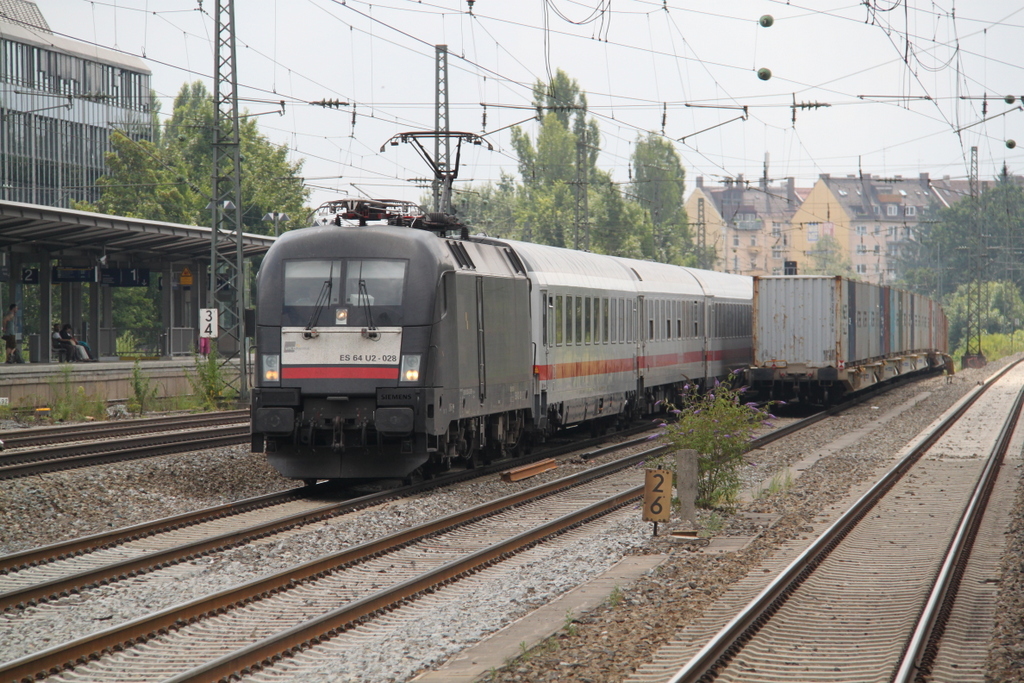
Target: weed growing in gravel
(615,599)
(718,425)
(570,623)
(143,393)
(712,525)
(71,403)
(208,384)
(780,482)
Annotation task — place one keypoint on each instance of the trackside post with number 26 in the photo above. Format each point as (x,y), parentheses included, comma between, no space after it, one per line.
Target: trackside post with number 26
(657,496)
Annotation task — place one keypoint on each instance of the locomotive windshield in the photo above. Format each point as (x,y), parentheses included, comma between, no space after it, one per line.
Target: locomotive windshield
(383,282)
(356,284)
(304,280)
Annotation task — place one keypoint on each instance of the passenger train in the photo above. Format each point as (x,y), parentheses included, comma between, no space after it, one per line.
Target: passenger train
(399,349)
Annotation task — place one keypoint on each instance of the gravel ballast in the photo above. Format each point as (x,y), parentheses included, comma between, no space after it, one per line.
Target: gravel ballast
(606,644)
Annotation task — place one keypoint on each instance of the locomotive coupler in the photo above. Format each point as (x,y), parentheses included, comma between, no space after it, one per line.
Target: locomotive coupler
(338,442)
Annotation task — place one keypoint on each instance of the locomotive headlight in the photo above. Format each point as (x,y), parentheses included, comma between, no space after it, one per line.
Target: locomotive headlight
(341,316)
(271,367)
(410,371)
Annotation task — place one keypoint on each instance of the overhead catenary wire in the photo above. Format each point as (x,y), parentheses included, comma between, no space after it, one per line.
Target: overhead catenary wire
(625,129)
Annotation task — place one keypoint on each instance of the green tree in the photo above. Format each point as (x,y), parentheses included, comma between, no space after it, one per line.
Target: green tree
(658,184)
(1001,303)
(827,258)
(972,238)
(169,180)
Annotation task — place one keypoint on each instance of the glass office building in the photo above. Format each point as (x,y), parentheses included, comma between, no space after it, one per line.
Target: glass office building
(60,99)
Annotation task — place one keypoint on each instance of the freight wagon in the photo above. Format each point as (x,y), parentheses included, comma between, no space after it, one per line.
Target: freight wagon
(817,338)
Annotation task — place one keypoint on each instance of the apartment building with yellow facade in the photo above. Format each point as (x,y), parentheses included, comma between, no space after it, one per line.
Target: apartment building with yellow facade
(869,222)
(747,224)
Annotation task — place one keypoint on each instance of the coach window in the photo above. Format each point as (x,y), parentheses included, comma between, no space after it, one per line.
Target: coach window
(559,320)
(568,320)
(579,320)
(605,324)
(651,313)
(586,320)
(679,319)
(613,322)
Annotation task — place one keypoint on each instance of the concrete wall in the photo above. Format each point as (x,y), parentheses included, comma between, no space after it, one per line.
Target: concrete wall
(27,384)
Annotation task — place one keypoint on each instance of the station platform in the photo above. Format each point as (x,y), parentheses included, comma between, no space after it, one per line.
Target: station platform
(25,385)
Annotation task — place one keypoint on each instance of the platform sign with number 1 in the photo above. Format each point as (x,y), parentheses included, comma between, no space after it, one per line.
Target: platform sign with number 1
(657,495)
(208,323)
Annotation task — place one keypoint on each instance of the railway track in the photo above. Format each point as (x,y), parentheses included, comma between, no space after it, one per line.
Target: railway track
(67,568)
(61,569)
(870,598)
(415,560)
(49,449)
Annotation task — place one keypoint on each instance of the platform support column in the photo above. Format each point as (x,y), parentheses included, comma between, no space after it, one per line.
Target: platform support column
(108,342)
(45,305)
(93,336)
(76,308)
(167,309)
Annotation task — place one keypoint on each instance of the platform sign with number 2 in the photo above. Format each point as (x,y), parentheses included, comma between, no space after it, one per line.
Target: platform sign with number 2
(657,495)
(208,323)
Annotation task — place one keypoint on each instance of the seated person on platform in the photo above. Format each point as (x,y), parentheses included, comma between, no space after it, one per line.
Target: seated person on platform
(61,344)
(81,349)
(84,350)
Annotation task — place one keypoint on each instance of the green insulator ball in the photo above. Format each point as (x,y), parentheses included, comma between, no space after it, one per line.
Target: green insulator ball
(764,74)
(767,20)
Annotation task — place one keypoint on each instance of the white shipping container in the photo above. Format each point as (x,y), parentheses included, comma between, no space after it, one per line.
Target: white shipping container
(797,321)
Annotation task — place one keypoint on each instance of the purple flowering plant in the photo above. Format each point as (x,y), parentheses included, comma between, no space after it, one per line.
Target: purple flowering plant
(719,426)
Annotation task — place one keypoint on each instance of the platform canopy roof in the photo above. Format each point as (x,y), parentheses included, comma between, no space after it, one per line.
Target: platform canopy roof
(31,228)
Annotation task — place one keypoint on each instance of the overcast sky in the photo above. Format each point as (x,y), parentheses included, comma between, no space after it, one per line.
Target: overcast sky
(904,79)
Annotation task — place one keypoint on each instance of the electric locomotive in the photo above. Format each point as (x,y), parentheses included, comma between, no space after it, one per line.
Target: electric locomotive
(382,349)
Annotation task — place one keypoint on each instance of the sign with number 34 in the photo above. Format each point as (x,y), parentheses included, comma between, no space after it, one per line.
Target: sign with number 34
(208,323)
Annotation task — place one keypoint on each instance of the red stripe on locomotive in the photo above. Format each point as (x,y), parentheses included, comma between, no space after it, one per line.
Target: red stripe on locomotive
(335,372)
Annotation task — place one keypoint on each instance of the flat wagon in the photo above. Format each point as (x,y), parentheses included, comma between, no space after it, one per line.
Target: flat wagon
(817,338)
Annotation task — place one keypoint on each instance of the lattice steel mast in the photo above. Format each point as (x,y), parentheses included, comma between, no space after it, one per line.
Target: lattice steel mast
(973,356)
(226,290)
(442,185)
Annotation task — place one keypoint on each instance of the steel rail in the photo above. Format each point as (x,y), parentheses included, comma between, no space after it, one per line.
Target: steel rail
(79,546)
(922,646)
(26,463)
(328,625)
(138,630)
(728,641)
(144,563)
(37,436)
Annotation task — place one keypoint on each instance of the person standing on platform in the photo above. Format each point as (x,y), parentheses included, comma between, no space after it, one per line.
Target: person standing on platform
(9,324)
